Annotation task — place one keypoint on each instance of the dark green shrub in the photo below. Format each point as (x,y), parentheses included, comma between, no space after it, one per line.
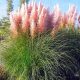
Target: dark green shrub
(67,43)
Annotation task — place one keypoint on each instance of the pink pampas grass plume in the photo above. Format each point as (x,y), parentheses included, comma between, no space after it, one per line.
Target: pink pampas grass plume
(25,21)
(56,16)
(15,20)
(33,29)
(42,20)
(72,15)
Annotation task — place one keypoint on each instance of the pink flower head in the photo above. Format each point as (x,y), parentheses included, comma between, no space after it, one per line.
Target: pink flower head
(23,9)
(56,16)
(42,20)
(40,8)
(34,14)
(15,20)
(64,20)
(15,17)
(29,8)
(37,18)
(33,29)
(25,21)
(72,15)
(33,20)
(13,27)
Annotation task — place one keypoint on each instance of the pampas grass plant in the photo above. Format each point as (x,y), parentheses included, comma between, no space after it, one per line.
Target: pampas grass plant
(31,53)
(27,59)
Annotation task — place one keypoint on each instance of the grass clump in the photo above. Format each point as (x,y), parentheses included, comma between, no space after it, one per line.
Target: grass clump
(30,59)
(67,43)
(44,57)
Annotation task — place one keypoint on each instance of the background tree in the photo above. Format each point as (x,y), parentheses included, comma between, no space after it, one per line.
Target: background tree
(23,1)
(27,1)
(9,6)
